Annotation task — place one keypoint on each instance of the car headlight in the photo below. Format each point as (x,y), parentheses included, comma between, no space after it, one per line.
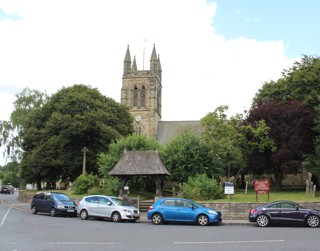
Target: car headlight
(127,211)
(60,206)
(212,212)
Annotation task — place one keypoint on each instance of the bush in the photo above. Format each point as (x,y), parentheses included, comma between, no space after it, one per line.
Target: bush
(84,182)
(201,187)
(109,186)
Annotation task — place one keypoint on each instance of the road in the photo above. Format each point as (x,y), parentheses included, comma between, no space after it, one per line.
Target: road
(22,231)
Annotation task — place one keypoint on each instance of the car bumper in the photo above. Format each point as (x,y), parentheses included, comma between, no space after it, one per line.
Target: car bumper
(128,216)
(66,211)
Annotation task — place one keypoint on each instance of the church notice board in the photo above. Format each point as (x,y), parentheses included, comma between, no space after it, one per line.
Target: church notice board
(262,187)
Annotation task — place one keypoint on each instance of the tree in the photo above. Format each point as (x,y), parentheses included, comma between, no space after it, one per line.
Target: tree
(301,82)
(225,139)
(132,142)
(10,131)
(188,155)
(11,174)
(73,118)
(290,126)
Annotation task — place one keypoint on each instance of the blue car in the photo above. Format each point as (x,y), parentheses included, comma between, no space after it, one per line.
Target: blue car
(182,210)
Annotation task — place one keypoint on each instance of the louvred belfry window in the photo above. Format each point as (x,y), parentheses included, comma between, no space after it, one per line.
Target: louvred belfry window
(135,96)
(143,96)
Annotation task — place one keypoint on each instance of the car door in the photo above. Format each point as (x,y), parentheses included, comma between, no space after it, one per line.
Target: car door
(168,209)
(290,213)
(105,207)
(39,202)
(184,211)
(47,203)
(92,205)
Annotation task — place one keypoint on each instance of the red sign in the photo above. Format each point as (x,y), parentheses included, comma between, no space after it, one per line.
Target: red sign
(262,186)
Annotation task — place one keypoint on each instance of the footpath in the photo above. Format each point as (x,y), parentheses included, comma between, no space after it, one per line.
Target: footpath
(13,202)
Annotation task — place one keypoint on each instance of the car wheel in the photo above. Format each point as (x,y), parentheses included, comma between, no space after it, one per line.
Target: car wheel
(84,214)
(202,220)
(34,210)
(262,220)
(157,219)
(52,212)
(313,220)
(116,217)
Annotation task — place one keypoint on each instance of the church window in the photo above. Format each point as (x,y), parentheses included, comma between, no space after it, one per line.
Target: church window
(143,96)
(135,96)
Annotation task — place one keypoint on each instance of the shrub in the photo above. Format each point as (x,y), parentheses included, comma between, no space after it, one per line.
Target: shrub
(201,187)
(109,186)
(84,182)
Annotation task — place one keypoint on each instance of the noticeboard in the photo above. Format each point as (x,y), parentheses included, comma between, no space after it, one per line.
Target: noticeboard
(228,188)
(261,186)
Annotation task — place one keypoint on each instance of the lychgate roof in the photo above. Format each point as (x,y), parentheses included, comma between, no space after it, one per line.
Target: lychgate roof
(139,163)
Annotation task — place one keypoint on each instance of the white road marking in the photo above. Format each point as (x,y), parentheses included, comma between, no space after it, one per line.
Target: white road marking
(5,216)
(226,242)
(81,243)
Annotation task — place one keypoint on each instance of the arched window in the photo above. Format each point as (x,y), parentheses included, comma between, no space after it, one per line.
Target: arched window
(143,96)
(135,96)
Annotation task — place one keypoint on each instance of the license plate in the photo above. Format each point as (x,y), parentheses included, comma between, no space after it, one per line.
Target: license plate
(70,211)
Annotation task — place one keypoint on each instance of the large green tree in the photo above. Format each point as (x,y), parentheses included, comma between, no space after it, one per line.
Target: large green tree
(301,82)
(188,155)
(73,118)
(225,139)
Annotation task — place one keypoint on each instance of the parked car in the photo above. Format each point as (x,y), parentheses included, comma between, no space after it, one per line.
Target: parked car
(53,203)
(182,210)
(284,212)
(7,189)
(110,207)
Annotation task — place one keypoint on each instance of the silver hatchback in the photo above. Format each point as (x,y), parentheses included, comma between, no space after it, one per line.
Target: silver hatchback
(110,207)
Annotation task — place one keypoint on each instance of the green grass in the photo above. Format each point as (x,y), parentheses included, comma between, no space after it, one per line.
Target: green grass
(297,196)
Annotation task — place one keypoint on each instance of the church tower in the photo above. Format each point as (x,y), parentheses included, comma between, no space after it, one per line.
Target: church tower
(141,92)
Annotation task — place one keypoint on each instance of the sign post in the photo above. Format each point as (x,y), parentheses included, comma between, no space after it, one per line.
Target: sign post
(228,188)
(262,186)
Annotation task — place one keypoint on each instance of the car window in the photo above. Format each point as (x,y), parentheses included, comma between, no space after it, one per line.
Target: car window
(287,205)
(103,200)
(94,199)
(169,203)
(120,202)
(183,203)
(275,206)
(47,197)
(61,197)
(41,196)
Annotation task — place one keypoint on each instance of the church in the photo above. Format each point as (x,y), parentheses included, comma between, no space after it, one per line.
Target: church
(142,92)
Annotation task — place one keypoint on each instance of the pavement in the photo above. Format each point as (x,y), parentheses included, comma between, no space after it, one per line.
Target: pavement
(13,201)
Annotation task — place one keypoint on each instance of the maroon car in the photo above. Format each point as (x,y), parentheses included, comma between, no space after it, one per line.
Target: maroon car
(284,212)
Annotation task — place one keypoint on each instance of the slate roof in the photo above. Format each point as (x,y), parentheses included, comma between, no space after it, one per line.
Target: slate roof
(139,163)
(167,130)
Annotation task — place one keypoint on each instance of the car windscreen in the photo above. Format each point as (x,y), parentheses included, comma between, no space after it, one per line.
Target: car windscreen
(120,202)
(61,197)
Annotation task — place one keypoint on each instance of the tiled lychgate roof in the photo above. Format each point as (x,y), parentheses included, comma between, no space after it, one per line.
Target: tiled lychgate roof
(139,163)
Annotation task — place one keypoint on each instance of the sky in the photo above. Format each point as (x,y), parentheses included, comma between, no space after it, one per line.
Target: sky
(212,52)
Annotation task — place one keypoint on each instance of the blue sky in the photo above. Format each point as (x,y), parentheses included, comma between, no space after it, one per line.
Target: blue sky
(217,52)
(293,21)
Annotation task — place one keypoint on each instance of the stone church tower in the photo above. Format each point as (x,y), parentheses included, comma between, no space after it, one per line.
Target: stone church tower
(141,92)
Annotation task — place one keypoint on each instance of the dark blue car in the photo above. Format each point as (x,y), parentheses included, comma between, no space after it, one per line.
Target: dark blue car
(284,212)
(53,203)
(182,210)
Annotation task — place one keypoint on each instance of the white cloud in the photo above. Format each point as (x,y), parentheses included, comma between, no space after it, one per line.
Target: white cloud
(61,43)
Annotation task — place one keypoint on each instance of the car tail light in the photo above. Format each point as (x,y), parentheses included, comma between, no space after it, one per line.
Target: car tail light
(150,208)
(253,211)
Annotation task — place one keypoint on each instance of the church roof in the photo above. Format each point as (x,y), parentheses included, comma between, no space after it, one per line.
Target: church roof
(167,130)
(139,163)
